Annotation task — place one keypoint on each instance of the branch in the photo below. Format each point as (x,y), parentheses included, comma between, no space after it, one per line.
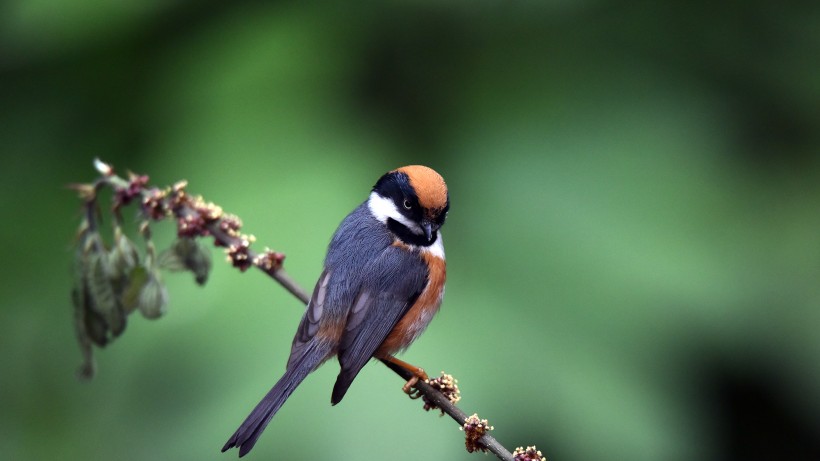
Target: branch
(111,283)
(441,401)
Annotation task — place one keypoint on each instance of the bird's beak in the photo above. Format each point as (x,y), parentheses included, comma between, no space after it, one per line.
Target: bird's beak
(428,228)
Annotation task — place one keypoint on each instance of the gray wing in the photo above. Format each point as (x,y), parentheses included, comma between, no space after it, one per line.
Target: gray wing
(356,244)
(310,320)
(389,287)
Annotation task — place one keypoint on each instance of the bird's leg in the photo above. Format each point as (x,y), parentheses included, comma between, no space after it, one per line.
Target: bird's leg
(418,374)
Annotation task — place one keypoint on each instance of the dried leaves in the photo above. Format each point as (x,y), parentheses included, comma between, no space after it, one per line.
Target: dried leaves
(111,282)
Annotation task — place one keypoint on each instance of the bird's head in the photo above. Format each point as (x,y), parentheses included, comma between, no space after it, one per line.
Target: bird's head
(413,202)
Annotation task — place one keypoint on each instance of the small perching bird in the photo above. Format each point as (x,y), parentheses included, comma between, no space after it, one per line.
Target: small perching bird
(383,280)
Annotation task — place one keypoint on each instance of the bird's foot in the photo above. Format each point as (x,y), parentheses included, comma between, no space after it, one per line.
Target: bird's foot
(409,388)
(418,375)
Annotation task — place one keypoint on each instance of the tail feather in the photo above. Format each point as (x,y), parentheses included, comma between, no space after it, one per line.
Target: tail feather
(343,382)
(248,433)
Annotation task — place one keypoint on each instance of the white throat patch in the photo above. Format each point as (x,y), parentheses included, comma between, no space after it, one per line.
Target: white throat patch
(383,208)
(436,249)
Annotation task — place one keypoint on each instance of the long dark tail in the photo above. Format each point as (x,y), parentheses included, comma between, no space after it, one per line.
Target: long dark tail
(246,436)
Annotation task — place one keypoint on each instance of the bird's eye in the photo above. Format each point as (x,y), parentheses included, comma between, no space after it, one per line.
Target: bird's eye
(407,204)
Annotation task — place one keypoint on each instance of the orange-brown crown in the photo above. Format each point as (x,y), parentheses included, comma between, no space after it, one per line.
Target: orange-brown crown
(428,185)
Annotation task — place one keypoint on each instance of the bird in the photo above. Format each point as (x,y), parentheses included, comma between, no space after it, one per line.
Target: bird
(381,284)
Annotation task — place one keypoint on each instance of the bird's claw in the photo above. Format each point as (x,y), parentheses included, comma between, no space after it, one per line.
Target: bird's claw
(410,389)
(408,386)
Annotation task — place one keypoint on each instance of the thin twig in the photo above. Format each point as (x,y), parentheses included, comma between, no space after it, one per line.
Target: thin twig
(275,273)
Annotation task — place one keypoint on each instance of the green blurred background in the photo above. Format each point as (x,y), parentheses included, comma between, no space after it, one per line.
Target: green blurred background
(633,246)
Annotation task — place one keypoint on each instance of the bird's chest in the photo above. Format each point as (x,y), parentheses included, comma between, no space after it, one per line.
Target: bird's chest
(419,315)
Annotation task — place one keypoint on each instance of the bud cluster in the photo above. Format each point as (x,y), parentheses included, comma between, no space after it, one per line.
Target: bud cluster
(528,454)
(445,384)
(238,253)
(153,204)
(269,260)
(135,187)
(474,429)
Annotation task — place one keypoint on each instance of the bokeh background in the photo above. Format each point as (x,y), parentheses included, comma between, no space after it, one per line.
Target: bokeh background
(633,246)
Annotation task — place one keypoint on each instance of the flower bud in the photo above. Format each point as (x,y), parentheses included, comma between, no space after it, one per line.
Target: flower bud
(123,257)
(131,291)
(474,429)
(187,254)
(153,297)
(103,298)
(199,262)
(89,325)
(445,384)
(528,454)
